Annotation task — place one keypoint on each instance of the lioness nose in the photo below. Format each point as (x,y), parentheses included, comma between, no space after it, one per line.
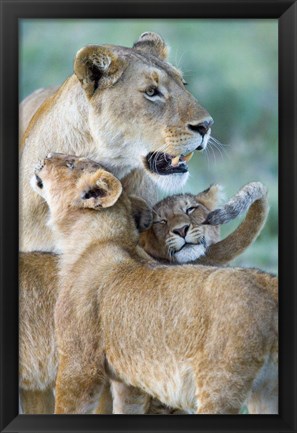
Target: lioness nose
(201,127)
(181,231)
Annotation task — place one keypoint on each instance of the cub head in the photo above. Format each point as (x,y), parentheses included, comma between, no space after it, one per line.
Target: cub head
(67,180)
(177,233)
(140,111)
(69,183)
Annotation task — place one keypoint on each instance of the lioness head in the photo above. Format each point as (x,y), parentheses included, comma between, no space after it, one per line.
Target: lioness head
(178,233)
(138,99)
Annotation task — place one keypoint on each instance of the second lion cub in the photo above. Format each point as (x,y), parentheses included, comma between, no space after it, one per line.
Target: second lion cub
(197,338)
(186,228)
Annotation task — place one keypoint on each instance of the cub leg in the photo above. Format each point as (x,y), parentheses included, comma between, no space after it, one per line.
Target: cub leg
(221,397)
(105,401)
(131,400)
(78,387)
(264,395)
(222,389)
(37,402)
(128,400)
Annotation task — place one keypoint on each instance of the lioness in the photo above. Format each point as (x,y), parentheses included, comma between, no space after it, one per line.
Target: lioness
(125,107)
(196,337)
(186,227)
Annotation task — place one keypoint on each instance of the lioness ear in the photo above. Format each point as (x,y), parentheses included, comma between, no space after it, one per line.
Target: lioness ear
(152,43)
(99,189)
(211,197)
(97,66)
(142,213)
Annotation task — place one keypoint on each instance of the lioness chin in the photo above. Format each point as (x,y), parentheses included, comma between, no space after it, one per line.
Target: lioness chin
(126,108)
(199,338)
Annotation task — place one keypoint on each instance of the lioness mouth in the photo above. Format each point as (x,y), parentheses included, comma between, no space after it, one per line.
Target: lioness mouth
(162,163)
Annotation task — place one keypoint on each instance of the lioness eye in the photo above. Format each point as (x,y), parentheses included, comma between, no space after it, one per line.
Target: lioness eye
(191,209)
(152,91)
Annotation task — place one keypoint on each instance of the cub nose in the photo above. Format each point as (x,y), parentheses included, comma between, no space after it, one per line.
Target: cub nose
(202,127)
(181,231)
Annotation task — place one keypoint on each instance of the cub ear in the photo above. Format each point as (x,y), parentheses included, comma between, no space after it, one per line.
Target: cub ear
(211,197)
(97,66)
(142,213)
(97,190)
(152,43)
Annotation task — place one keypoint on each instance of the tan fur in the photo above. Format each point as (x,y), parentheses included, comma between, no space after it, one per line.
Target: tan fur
(105,405)
(159,237)
(37,348)
(178,233)
(28,108)
(195,337)
(37,402)
(38,358)
(104,112)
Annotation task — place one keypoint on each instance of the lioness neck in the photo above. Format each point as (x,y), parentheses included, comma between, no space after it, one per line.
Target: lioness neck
(64,110)
(67,114)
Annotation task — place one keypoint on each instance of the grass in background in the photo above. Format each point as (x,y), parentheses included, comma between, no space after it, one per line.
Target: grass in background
(231,66)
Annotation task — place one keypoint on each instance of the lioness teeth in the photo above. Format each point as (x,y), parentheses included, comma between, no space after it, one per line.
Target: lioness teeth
(188,157)
(175,161)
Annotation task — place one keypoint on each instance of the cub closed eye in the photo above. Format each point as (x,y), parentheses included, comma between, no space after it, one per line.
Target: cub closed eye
(191,210)
(160,222)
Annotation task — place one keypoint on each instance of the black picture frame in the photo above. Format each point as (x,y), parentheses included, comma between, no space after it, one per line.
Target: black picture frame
(11,12)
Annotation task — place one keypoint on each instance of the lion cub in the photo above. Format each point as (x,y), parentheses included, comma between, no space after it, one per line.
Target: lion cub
(198,338)
(185,227)
(36,394)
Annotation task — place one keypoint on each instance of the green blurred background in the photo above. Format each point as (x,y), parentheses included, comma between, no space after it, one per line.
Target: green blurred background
(231,66)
